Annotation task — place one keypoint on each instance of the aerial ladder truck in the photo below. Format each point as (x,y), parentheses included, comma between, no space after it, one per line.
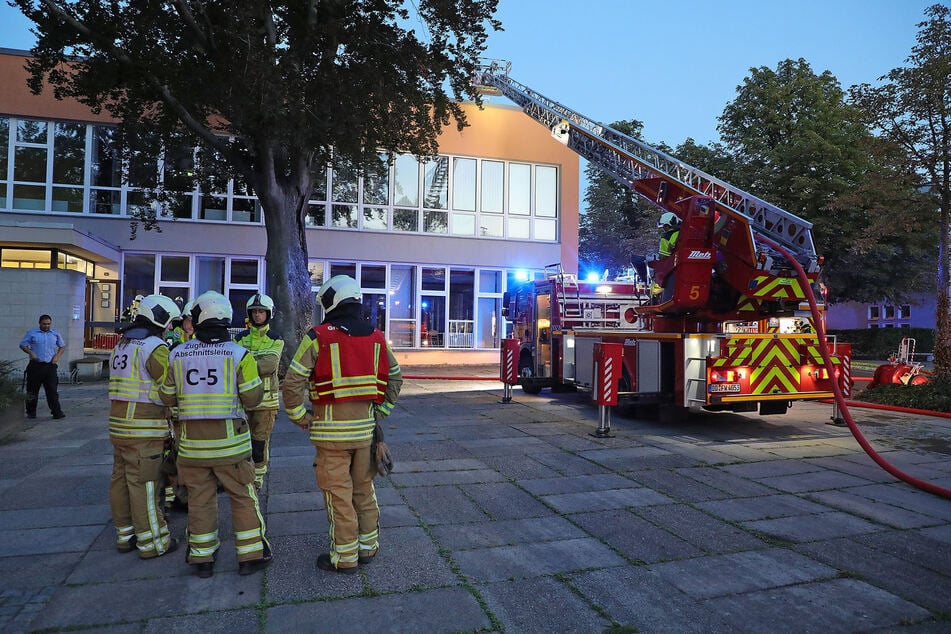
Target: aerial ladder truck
(731,328)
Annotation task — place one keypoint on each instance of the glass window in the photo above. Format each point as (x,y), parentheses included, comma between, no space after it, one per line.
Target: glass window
(373,276)
(319,184)
(344,216)
(904,311)
(463,184)
(406,181)
(4,144)
(463,224)
(376,183)
(545,229)
(25,258)
(546,191)
(68,199)
(239,301)
(434,279)
(374,307)
(315,269)
(174,268)
(432,321)
(212,207)
(344,184)
(104,165)
(406,219)
(211,274)
(244,272)
(138,277)
(105,202)
(520,189)
(493,186)
(180,168)
(142,156)
(435,221)
(519,228)
(873,312)
(490,281)
(29,197)
(889,312)
(29,164)
(402,307)
(461,294)
(245,210)
(343,268)
(436,183)
(491,225)
(316,215)
(488,320)
(375,218)
(31,131)
(69,153)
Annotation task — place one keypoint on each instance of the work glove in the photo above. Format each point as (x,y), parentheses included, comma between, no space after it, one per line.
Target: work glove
(304,421)
(381,453)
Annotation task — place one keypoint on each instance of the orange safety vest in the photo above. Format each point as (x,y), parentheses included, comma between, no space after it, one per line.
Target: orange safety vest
(349,368)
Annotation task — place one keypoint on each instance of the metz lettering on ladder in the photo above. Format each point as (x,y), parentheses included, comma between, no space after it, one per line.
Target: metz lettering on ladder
(696,254)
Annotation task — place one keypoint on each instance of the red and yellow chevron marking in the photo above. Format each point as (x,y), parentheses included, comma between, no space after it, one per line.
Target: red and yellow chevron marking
(773,362)
(769,287)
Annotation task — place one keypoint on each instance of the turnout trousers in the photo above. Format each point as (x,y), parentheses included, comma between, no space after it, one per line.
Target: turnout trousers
(346,478)
(238,482)
(261,422)
(134,495)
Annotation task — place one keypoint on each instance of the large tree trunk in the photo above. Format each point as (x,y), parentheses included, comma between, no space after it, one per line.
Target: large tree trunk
(942,340)
(288,280)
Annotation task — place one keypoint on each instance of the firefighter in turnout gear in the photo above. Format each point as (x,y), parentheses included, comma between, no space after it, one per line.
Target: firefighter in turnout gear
(266,348)
(213,380)
(138,429)
(176,494)
(353,380)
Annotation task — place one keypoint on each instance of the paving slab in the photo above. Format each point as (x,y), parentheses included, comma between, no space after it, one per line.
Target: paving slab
(569,611)
(533,560)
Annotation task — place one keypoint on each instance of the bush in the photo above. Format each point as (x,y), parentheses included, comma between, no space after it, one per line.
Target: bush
(10,382)
(880,343)
(934,396)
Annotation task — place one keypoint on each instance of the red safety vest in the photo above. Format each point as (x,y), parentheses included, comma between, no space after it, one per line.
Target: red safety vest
(349,368)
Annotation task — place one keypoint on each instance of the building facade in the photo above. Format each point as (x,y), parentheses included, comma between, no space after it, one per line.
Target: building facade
(433,243)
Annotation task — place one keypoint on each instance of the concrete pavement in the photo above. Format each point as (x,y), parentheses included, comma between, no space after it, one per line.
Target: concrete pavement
(513,518)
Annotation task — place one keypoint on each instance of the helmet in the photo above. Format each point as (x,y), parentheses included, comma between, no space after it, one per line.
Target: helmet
(668,219)
(189,306)
(338,290)
(211,309)
(158,309)
(260,301)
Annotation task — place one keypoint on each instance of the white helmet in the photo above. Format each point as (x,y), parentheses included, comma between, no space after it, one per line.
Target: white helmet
(158,309)
(260,301)
(668,219)
(189,306)
(338,290)
(212,309)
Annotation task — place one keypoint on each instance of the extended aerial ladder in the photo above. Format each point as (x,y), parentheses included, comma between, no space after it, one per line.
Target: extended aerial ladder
(758,277)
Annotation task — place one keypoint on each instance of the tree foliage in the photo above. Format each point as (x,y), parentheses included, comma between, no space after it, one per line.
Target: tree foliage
(912,109)
(272,91)
(617,223)
(798,144)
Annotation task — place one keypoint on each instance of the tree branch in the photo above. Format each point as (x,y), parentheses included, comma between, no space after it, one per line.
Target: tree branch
(206,43)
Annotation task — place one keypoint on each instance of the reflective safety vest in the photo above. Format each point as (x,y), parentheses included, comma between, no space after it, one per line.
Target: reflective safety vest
(668,242)
(129,379)
(349,368)
(206,377)
(264,345)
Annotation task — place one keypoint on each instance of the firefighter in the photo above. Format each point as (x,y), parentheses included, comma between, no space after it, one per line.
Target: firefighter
(353,381)
(138,429)
(266,348)
(669,225)
(176,495)
(213,380)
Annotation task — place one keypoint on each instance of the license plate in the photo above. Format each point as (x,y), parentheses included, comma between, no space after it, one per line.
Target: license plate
(720,388)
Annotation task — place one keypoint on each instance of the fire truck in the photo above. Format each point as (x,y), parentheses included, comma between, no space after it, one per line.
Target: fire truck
(723,323)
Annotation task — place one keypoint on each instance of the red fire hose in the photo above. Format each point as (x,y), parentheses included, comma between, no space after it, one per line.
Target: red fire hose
(839,399)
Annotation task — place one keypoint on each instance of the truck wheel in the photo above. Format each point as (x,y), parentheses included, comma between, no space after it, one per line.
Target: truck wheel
(531,388)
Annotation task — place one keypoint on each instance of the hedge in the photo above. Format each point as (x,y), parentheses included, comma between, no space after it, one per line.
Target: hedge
(880,343)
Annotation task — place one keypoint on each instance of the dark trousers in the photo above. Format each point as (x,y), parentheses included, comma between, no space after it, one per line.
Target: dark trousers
(39,374)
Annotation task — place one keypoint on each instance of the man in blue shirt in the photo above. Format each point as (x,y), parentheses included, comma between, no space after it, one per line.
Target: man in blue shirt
(45,346)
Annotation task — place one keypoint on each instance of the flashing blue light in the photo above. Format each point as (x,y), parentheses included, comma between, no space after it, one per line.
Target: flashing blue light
(592,277)
(521,276)
(425,304)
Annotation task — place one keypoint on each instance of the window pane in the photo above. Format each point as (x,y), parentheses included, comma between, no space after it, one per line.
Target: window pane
(546,191)
(493,185)
(406,181)
(376,184)
(105,202)
(373,276)
(436,221)
(174,269)
(545,229)
(4,144)
(319,185)
(490,281)
(245,210)
(402,289)
(344,216)
(31,131)
(374,218)
(436,183)
(29,197)
(490,226)
(489,335)
(432,320)
(213,208)
(374,307)
(344,184)
(29,164)
(463,224)
(142,155)
(519,228)
(461,294)
(463,184)
(239,300)
(211,274)
(180,168)
(520,189)
(69,153)
(343,268)
(316,215)
(244,272)
(406,219)
(105,168)
(68,199)
(434,279)
(138,277)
